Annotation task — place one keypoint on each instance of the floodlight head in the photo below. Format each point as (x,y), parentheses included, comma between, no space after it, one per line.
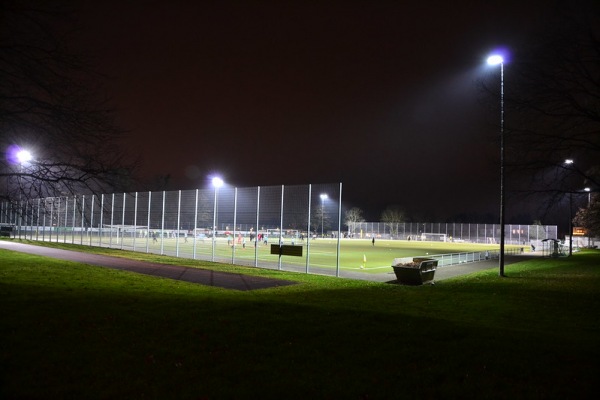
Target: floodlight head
(217,182)
(587,189)
(495,59)
(569,161)
(24,156)
(323,196)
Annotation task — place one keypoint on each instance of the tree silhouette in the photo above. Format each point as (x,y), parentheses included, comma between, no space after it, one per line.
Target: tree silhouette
(552,101)
(50,105)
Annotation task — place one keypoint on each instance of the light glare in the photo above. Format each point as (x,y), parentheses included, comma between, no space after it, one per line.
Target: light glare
(24,156)
(217,182)
(495,59)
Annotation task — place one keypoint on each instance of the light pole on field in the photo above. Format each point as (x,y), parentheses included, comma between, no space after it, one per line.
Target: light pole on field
(568,162)
(499,60)
(23,156)
(217,183)
(323,198)
(589,192)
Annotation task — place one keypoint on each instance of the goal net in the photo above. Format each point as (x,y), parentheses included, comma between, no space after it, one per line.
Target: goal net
(434,237)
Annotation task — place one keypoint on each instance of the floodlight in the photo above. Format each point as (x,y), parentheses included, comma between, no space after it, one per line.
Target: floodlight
(24,156)
(217,182)
(323,197)
(495,59)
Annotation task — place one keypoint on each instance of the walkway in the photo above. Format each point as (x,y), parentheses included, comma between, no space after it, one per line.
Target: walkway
(230,280)
(206,277)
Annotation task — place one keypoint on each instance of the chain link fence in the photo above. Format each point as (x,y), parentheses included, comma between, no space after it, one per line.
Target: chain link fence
(292,228)
(453,232)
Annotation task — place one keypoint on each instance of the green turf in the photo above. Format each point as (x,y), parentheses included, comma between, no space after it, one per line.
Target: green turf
(322,253)
(75,331)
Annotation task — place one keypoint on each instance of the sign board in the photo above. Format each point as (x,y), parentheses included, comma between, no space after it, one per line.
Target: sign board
(579,231)
(286,250)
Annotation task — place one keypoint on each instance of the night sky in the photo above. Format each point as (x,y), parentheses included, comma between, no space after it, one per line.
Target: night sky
(378,95)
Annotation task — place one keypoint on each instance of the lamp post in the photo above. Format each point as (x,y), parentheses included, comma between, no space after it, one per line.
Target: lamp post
(499,60)
(23,156)
(217,183)
(569,162)
(589,192)
(323,198)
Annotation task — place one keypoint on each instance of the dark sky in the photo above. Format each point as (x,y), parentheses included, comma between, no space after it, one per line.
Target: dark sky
(378,95)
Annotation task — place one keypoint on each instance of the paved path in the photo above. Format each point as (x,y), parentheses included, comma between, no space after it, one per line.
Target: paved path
(449,271)
(225,280)
(231,280)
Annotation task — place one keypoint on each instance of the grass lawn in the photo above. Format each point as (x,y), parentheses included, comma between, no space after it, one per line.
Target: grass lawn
(75,331)
(323,252)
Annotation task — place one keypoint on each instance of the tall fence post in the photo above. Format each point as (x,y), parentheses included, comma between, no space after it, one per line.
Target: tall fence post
(308,229)
(82,219)
(162,225)
(121,230)
(280,228)
(148,224)
(233,248)
(337,262)
(257,222)
(92,219)
(135,212)
(195,225)
(178,223)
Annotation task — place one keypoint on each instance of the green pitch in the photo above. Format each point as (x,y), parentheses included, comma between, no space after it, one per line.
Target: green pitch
(355,254)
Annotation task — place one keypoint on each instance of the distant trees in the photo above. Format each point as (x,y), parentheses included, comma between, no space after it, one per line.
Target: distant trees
(320,220)
(50,105)
(589,217)
(552,97)
(353,216)
(553,92)
(392,216)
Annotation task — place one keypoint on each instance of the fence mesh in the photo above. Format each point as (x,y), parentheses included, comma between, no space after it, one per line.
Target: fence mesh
(235,225)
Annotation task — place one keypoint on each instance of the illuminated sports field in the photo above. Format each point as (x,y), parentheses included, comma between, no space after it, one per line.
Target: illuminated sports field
(323,252)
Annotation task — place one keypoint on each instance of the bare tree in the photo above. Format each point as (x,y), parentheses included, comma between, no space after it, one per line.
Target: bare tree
(320,220)
(50,106)
(393,216)
(589,217)
(557,100)
(552,100)
(353,217)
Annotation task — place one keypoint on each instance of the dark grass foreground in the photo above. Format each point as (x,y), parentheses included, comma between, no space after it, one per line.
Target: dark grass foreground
(75,331)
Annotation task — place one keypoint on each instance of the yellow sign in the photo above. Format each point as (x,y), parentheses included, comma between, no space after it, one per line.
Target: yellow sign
(579,231)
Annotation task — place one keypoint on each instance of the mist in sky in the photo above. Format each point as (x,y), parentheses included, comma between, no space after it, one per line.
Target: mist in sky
(380,96)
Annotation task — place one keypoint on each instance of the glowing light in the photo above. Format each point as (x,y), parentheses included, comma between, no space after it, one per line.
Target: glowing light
(569,161)
(24,156)
(495,59)
(217,182)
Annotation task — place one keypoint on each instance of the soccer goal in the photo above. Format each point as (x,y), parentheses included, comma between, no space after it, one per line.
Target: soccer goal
(287,233)
(434,237)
